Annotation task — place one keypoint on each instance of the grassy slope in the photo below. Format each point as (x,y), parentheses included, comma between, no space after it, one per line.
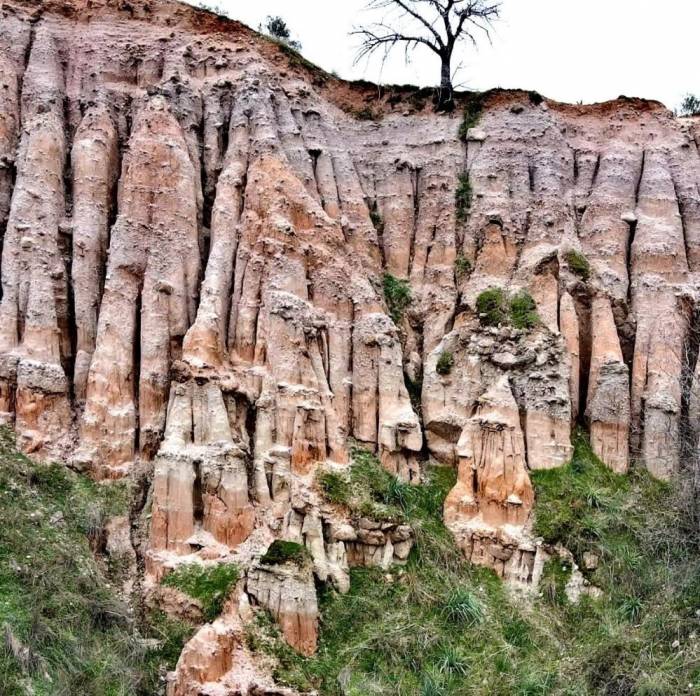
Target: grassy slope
(63,631)
(440,627)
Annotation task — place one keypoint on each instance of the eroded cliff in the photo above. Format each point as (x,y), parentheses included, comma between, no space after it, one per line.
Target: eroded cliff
(197,234)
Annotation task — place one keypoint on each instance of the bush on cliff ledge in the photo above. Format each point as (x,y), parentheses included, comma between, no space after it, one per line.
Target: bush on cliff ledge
(397,293)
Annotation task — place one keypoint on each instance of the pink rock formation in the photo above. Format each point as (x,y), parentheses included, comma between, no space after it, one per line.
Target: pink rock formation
(490,505)
(195,232)
(608,399)
(287,591)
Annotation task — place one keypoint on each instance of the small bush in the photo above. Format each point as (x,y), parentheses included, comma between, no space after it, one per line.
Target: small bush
(366,114)
(472,114)
(281,552)
(397,294)
(462,607)
(690,106)
(578,264)
(209,585)
(495,309)
(523,311)
(463,266)
(491,306)
(535,97)
(445,363)
(463,196)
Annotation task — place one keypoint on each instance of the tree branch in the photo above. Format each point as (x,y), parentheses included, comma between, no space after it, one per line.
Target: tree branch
(372,41)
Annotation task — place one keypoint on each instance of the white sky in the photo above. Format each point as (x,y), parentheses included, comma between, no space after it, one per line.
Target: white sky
(569,50)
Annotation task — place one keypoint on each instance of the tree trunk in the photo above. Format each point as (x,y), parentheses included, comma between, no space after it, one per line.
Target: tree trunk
(445,97)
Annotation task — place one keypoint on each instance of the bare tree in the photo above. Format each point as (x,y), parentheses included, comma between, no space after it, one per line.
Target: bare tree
(437,24)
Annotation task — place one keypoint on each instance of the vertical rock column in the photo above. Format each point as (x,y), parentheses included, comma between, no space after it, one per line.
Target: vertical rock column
(9,127)
(200,483)
(489,507)
(153,263)
(658,266)
(570,331)
(34,343)
(95,170)
(382,409)
(608,402)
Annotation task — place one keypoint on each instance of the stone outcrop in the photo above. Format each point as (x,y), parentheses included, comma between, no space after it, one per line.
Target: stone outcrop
(287,591)
(203,205)
(216,660)
(490,506)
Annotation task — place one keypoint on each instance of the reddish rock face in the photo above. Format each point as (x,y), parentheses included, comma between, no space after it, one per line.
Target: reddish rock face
(220,217)
(195,235)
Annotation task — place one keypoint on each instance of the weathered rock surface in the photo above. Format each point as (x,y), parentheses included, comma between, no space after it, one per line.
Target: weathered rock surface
(194,235)
(287,591)
(207,206)
(489,508)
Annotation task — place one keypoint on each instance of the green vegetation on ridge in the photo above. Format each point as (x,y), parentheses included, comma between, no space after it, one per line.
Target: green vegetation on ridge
(209,585)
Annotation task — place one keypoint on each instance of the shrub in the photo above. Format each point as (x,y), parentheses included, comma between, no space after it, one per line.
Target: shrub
(281,552)
(445,363)
(397,294)
(472,113)
(463,266)
(367,114)
(690,106)
(535,97)
(463,196)
(209,585)
(277,29)
(578,264)
(523,311)
(491,306)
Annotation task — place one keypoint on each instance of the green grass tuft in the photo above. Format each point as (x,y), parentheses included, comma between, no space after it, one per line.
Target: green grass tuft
(523,311)
(397,294)
(463,196)
(281,552)
(578,264)
(462,607)
(210,585)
